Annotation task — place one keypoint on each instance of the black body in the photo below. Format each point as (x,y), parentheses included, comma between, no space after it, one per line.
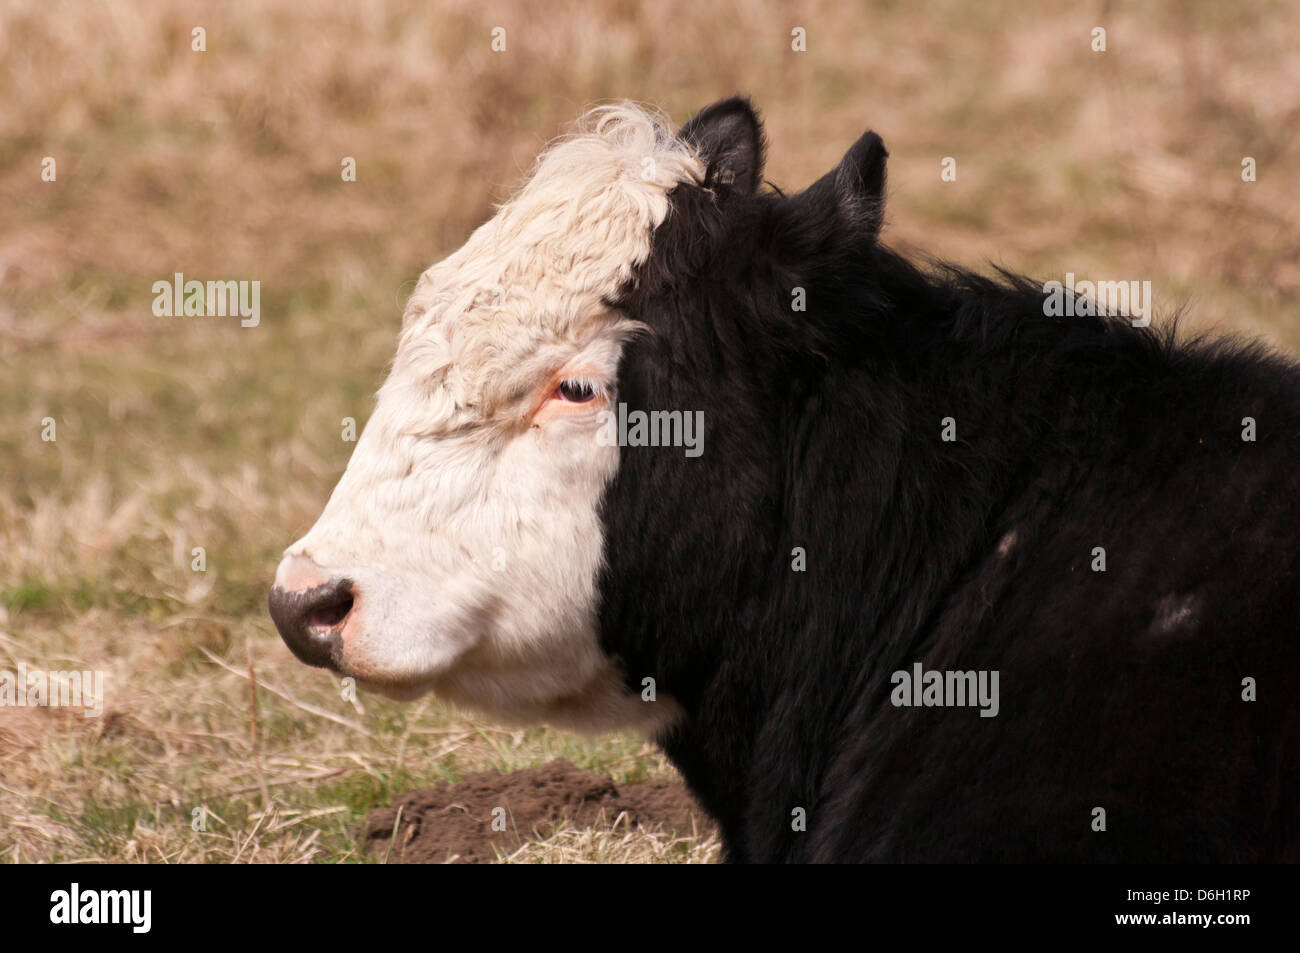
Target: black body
(1120,690)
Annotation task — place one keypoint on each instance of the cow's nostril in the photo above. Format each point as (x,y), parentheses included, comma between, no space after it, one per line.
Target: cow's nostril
(310,620)
(330,614)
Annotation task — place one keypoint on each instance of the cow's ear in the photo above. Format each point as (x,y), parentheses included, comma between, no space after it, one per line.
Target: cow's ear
(860,183)
(729,138)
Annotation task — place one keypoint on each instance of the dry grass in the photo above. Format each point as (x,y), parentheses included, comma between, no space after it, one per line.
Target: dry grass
(616,845)
(175,433)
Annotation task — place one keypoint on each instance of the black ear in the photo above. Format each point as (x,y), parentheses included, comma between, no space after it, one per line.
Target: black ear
(860,183)
(729,137)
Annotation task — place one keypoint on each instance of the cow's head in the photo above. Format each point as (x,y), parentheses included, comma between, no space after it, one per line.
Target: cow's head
(462,548)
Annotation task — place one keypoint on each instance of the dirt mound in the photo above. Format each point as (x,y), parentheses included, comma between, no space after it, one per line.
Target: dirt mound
(456,821)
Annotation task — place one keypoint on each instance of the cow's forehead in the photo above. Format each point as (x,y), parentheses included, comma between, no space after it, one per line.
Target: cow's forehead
(530,281)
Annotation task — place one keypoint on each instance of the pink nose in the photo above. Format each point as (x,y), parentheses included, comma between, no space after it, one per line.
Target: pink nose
(310,610)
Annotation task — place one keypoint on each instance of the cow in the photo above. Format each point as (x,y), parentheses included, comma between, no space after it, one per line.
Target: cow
(938,573)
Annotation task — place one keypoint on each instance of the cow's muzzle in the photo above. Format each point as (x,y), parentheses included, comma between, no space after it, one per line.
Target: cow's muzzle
(311,620)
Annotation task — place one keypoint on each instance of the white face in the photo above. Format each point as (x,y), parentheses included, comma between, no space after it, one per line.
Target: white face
(465,530)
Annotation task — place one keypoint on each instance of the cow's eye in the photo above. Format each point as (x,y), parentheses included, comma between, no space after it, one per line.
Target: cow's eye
(576,391)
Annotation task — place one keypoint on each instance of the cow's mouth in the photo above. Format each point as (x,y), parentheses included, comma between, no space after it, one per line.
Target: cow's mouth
(397,691)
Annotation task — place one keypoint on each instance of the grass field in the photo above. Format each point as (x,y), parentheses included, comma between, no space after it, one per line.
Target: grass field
(225,164)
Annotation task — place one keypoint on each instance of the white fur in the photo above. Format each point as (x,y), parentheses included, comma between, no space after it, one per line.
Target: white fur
(452,470)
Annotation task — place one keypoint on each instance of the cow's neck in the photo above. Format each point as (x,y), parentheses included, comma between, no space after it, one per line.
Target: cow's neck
(764,584)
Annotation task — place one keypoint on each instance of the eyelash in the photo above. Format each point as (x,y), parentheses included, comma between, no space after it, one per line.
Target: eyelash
(578,390)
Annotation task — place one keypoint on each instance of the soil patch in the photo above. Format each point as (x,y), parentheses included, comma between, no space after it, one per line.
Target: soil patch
(455,821)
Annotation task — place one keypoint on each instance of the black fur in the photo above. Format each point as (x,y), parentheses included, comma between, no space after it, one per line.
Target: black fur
(822,431)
